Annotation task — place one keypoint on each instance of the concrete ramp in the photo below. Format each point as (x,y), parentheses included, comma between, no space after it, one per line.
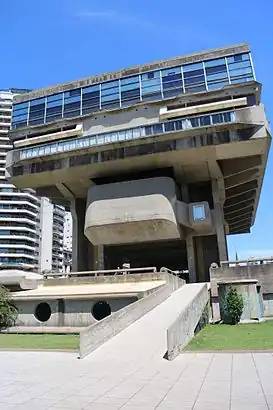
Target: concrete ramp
(147,337)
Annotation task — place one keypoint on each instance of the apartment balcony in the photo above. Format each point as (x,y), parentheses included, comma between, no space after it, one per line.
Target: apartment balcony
(17,255)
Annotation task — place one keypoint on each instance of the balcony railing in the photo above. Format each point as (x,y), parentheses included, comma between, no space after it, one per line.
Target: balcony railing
(178,125)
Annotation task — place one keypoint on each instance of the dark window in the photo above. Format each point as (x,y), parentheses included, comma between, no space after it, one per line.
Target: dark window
(193,73)
(238,58)
(217,69)
(43,312)
(101,310)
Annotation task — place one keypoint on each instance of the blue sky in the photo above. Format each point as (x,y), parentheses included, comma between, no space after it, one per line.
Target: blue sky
(48,42)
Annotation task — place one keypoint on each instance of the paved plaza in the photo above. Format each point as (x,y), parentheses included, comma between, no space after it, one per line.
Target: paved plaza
(108,381)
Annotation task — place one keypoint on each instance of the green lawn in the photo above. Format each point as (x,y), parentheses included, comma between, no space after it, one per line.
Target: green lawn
(256,336)
(40,341)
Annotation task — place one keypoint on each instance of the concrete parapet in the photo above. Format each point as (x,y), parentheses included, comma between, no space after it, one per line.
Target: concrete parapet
(95,335)
(108,279)
(182,330)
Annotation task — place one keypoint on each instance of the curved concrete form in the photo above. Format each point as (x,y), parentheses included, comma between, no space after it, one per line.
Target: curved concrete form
(127,220)
(132,211)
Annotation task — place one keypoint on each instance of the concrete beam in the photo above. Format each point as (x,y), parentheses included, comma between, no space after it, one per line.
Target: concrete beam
(235,180)
(238,210)
(237,165)
(240,225)
(238,216)
(244,198)
(240,222)
(238,190)
(65,190)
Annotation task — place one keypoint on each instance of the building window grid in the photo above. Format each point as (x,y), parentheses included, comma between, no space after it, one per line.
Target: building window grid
(140,87)
(183,81)
(45,110)
(129,134)
(205,76)
(161,84)
(228,73)
(141,83)
(252,66)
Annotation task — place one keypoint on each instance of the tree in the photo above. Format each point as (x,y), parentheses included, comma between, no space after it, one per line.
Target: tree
(234,306)
(8,312)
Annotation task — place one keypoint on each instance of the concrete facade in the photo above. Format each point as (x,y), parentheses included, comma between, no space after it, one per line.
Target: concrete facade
(149,171)
(252,278)
(68,313)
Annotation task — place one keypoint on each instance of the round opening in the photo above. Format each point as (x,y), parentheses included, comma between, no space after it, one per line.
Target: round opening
(43,312)
(101,310)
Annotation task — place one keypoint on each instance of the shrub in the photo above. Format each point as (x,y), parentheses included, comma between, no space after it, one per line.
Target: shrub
(233,307)
(8,312)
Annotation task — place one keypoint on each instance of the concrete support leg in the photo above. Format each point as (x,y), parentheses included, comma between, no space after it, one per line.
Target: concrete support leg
(191,259)
(98,262)
(216,316)
(82,249)
(219,221)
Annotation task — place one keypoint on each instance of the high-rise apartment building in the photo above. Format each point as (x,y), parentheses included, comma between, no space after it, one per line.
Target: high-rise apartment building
(68,232)
(158,162)
(19,209)
(51,237)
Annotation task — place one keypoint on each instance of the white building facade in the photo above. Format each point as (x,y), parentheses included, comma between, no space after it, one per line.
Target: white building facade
(51,237)
(19,209)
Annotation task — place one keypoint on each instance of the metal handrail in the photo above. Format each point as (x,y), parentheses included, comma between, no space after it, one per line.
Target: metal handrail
(268,259)
(107,272)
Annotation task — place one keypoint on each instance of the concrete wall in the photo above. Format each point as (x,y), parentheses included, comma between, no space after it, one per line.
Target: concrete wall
(268,304)
(76,313)
(132,211)
(182,330)
(263,273)
(117,121)
(155,276)
(250,296)
(94,336)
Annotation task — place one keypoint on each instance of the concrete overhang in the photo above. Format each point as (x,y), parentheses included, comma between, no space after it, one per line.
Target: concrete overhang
(89,291)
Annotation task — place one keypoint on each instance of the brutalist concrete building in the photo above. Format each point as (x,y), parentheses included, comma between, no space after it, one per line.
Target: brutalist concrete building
(158,163)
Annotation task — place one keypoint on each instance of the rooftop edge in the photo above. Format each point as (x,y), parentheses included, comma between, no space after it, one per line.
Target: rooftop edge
(172,62)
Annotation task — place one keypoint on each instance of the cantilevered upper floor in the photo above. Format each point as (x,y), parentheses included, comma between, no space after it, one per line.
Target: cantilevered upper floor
(199,115)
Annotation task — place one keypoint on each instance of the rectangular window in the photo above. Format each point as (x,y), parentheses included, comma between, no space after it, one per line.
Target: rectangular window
(194,73)
(216,85)
(195,89)
(192,67)
(214,63)
(21,106)
(195,80)
(129,80)
(216,69)
(171,72)
(199,213)
(150,76)
(238,57)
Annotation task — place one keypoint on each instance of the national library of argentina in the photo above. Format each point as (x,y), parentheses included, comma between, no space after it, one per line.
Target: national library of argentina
(158,163)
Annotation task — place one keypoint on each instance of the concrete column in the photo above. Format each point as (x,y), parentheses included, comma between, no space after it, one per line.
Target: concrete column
(191,258)
(82,249)
(98,261)
(219,222)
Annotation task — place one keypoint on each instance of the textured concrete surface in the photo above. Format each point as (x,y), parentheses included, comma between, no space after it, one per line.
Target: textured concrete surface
(132,382)
(181,331)
(129,372)
(87,290)
(141,315)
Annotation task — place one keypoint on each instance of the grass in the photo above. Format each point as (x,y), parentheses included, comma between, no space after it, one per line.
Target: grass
(256,336)
(39,341)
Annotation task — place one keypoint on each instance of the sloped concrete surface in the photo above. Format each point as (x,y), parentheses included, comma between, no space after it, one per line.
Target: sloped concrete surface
(128,372)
